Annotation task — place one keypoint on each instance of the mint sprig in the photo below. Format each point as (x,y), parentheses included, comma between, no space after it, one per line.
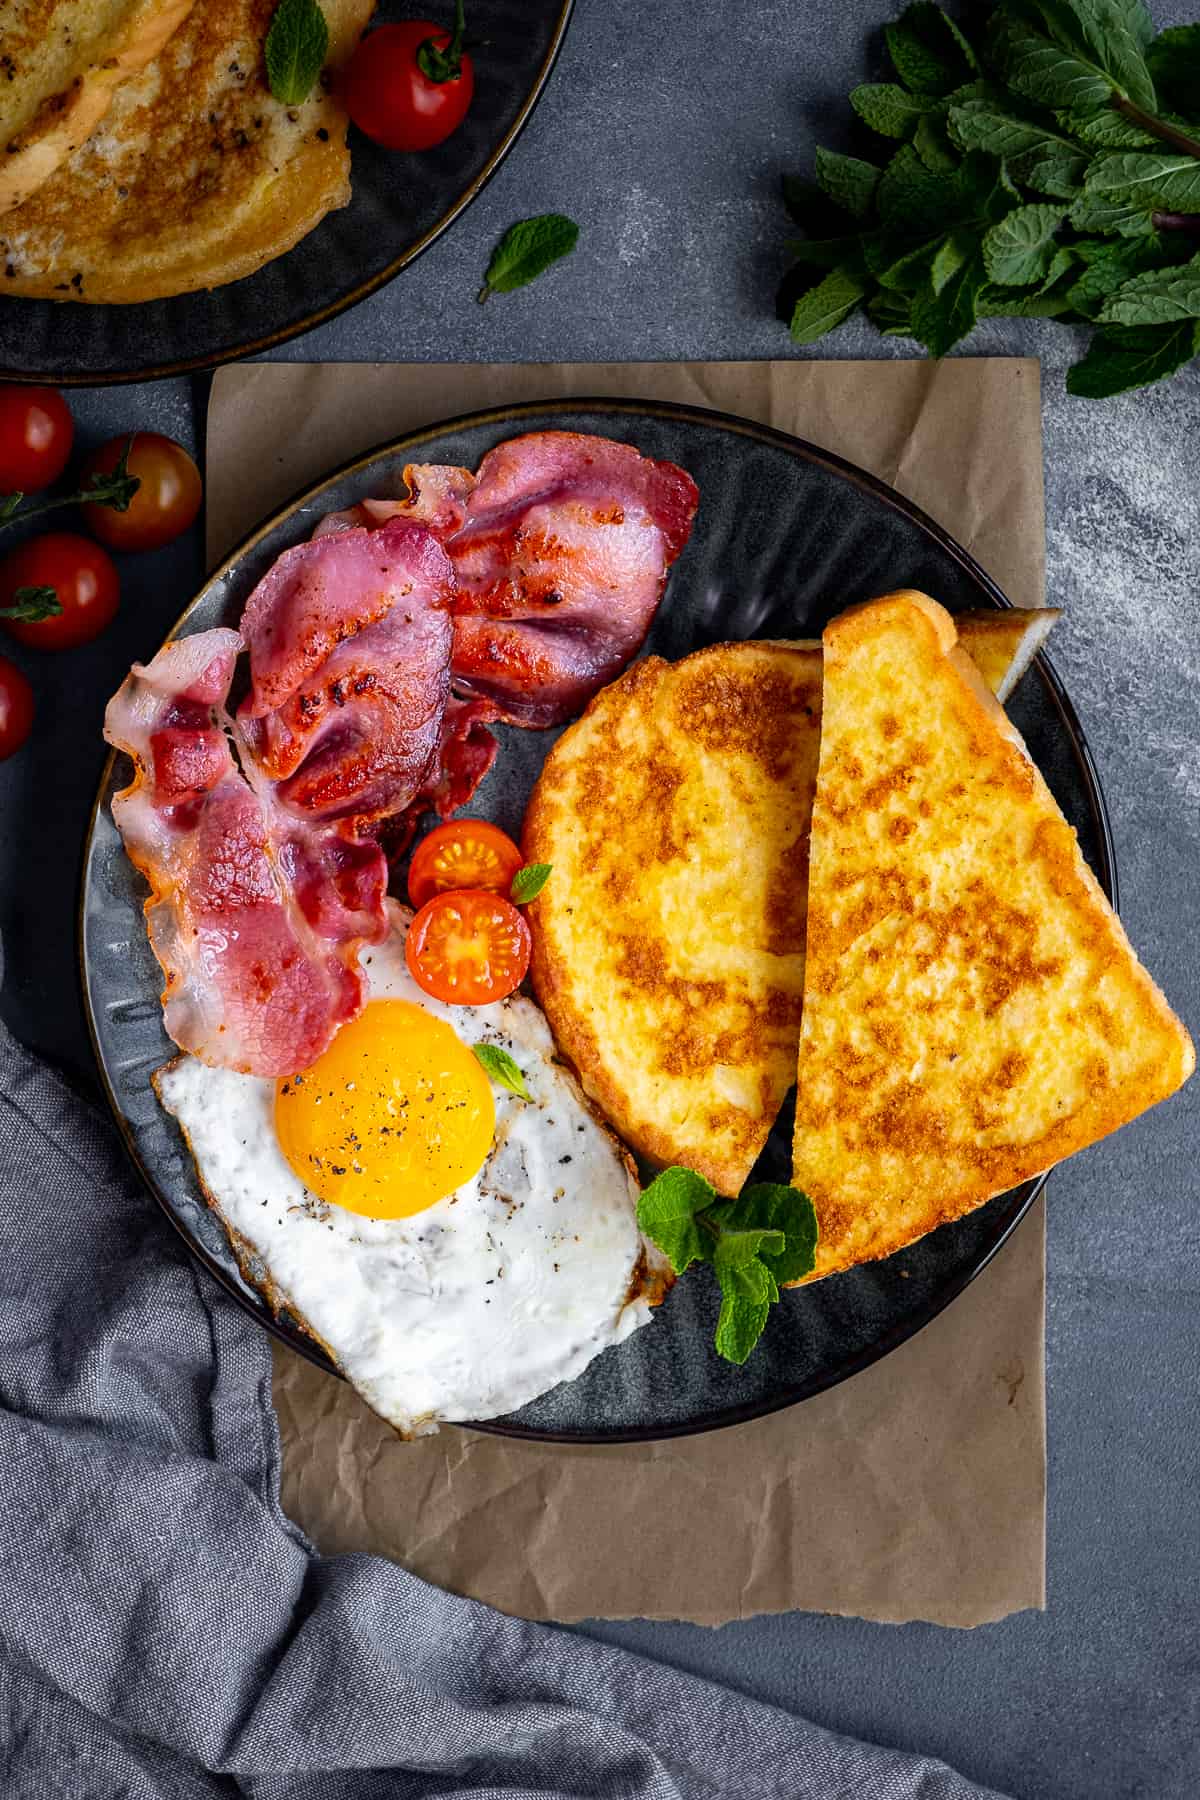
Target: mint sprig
(1052,170)
(756,1243)
(295,50)
(527,250)
(528,883)
(502,1068)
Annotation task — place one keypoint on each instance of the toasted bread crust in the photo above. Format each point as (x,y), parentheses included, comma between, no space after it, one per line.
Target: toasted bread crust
(196,176)
(668,950)
(973,1011)
(64,119)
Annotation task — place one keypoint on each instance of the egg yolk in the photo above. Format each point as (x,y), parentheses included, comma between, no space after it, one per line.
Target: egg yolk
(395,1115)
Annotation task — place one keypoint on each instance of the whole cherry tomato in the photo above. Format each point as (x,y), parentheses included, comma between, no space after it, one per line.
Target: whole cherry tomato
(84,583)
(36,434)
(16,708)
(468,948)
(166,502)
(409,86)
(465,853)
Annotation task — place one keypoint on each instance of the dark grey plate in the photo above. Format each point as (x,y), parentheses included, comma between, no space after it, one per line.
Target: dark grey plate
(786,536)
(399,205)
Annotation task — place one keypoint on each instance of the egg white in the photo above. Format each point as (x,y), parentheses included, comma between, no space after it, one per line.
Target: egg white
(485,1300)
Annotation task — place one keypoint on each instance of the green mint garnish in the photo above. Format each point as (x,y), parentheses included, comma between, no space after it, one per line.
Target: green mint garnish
(296,47)
(502,1068)
(766,1237)
(528,882)
(527,249)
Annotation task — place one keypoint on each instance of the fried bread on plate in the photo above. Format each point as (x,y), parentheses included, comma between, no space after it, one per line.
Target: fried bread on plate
(669,944)
(973,1011)
(195,176)
(61,62)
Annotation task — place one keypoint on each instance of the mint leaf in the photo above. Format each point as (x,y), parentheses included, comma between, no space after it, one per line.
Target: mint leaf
(1019,250)
(1013,303)
(528,883)
(952,254)
(888,110)
(941,320)
(667,1214)
(1169,180)
(786,1213)
(1039,158)
(741,1243)
(502,1068)
(1122,358)
(848,180)
(296,46)
(1108,37)
(1173,60)
(928,51)
(1050,172)
(33,603)
(1108,130)
(931,141)
(1045,71)
(748,1292)
(891,313)
(1108,266)
(1095,212)
(908,273)
(982,125)
(1061,263)
(1157,297)
(526,250)
(826,305)
(913,198)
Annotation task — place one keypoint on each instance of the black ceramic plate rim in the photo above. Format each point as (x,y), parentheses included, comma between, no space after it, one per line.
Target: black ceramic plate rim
(804,451)
(256,346)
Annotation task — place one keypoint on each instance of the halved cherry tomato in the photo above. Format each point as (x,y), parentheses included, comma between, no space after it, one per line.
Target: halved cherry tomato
(468,948)
(465,853)
(82,575)
(165,504)
(408,86)
(16,708)
(36,434)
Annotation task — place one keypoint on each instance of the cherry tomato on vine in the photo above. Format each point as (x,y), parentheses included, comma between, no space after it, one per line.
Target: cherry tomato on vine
(464,853)
(60,567)
(36,434)
(166,502)
(16,708)
(409,86)
(468,948)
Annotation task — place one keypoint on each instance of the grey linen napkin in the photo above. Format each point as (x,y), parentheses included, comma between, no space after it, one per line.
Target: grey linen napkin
(166,1632)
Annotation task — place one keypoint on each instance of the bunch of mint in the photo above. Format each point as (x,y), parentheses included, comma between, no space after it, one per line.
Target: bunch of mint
(756,1243)
(1053,171)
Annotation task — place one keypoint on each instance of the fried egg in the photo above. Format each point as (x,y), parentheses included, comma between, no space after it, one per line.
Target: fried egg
(456,1249)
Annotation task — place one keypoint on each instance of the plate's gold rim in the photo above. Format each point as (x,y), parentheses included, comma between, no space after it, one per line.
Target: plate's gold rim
(242,352)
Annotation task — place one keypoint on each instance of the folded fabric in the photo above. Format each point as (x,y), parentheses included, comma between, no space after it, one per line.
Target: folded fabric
(165,1631)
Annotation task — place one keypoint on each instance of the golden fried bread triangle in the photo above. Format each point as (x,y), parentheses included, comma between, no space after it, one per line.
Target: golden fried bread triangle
(669,943)
(973,1011)
(195,176)
(61,62)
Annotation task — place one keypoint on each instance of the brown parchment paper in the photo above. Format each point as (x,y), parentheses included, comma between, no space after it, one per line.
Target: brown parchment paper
(914,1491)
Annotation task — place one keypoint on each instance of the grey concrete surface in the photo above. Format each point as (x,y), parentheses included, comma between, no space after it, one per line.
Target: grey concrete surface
(664,133)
